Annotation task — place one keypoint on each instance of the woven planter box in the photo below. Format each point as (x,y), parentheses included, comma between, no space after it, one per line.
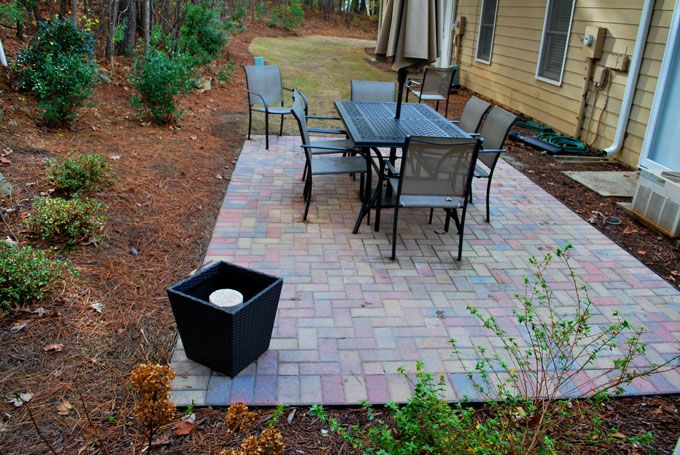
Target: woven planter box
(225,339)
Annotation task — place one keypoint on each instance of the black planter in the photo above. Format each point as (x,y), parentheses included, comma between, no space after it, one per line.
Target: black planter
(225,339)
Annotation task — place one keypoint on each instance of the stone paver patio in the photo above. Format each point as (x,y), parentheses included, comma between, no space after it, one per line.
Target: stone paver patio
(349,317)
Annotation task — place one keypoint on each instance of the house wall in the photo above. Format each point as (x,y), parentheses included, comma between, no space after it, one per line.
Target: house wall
(510,78)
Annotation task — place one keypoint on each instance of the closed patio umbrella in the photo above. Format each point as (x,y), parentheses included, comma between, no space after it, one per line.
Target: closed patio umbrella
(409,37)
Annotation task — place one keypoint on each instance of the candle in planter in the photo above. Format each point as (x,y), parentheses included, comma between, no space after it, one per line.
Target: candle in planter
(226,298)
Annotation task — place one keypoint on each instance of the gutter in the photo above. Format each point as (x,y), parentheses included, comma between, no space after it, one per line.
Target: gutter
(633,74)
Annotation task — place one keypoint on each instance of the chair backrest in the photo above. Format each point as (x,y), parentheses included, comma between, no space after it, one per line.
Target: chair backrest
(494,132)
(265,80)
(435,166)
(373,91)
(299,114)
(437,81)
(472,115)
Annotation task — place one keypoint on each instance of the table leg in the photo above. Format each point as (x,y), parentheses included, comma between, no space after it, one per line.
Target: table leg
(367,199)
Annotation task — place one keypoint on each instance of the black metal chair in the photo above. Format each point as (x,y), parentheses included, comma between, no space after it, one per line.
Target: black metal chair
(434,172)
(264,89)
(494,133)
(373,91)
(434,86)
(319,159)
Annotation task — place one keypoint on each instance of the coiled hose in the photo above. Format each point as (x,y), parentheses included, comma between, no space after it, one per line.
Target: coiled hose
(569,144)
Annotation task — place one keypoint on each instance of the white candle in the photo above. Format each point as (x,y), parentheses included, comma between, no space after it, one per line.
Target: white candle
(226,298)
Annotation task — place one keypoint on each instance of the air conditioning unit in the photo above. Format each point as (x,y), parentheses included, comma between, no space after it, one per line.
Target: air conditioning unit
(657,200)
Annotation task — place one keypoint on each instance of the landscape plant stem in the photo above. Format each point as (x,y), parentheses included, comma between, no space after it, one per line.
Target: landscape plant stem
(89,421)
(37,428)
(9,229)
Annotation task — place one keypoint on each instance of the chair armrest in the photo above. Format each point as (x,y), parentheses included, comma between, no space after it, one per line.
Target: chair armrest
(264,101)
(391,168)
(322,117)
(474,134)
(455,122)
(288,89)
(326,131)
(327,147)
(493,151)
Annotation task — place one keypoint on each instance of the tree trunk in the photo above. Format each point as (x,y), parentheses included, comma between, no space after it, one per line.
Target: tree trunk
(131,31)
(113,24)
(74,11)
(147,25)
(62,9)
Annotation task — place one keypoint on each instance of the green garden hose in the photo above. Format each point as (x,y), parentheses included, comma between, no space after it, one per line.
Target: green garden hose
(569,144)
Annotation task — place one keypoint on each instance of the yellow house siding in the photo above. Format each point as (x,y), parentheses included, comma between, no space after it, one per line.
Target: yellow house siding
(510,77)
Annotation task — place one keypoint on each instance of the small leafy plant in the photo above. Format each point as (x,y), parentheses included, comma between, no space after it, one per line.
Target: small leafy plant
(227,71)
(288,15)
(26,274)
(59,69)
(67,221)
(202,35)
(153,408)
(81,174)
(160,78)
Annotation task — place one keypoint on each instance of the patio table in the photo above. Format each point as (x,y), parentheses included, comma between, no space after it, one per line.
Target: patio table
(372,125)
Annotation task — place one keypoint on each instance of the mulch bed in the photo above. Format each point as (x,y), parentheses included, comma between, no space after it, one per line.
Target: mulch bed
(161,211)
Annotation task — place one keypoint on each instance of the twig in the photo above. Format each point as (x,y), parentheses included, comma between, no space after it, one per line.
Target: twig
(9,229)
(89,421)
(35,424)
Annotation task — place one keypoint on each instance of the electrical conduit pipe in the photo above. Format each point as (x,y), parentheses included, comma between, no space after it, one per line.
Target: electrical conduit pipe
(3,60)
(633,74)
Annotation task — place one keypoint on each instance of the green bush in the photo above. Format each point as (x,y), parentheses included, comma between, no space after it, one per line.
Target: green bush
(11,13)
(160,78)
(287,15)
(202,34)
(67,221)
(82,174)
(426,424)
(227,71)
(25,275)
(58,67)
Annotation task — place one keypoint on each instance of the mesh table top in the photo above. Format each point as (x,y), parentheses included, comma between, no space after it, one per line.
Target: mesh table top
(374,125)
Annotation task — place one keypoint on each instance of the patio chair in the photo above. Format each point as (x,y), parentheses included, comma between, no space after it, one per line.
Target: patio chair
(264,89)
(473,112)
(373,91)
(319,159)
(435,86)
(434,172)
(494,132)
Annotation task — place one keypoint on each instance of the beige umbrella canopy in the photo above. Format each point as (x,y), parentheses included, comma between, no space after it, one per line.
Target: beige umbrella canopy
(409,36)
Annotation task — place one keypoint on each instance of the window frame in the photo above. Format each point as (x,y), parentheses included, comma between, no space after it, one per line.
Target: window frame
(557,82)
(493,32)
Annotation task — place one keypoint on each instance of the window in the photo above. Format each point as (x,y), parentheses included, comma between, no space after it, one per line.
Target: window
(555,40)
(487,24)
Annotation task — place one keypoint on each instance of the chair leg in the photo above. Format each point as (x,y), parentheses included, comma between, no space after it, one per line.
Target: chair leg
(281,127)
(461,231)
(407,94)
(436,108)
(431,213)
(304,173)
(309,195)
(266,130)
(446,110)
(394,232)
(488,199)
(447,223)
(250,119)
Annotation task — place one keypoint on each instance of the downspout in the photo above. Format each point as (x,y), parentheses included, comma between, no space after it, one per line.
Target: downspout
(3,60)
(633,74)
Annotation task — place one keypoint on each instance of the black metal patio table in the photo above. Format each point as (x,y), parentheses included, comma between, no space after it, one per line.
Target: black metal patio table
(372,125)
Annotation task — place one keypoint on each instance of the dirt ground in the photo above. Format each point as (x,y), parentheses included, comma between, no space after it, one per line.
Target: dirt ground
(170,183)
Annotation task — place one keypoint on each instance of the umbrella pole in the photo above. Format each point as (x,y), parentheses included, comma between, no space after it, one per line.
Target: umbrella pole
(401,77)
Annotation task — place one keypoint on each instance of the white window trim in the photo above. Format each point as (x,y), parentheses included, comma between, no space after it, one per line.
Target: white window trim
(493,33)
(558,83)
(661,85)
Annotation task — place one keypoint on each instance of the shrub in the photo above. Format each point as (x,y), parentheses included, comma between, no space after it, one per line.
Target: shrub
(160,78)
(287,15)
(58,67)
(202,34)
(227,71)
(25,275)
(66,220)
(153,408)
(74,176)
(426,424)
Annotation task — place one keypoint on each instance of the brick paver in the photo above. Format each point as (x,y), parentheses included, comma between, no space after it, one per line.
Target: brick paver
(349,317)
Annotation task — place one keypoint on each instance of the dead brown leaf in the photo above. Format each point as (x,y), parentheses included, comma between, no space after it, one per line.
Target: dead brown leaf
(53,347)
(64,408)
(618,435)
(183,428)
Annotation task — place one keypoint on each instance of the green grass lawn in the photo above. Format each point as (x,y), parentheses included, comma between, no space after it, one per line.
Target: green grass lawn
(321,67)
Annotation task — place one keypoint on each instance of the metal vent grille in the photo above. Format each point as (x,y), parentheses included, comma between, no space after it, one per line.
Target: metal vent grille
(655,206)
(641,199)
(668,215)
